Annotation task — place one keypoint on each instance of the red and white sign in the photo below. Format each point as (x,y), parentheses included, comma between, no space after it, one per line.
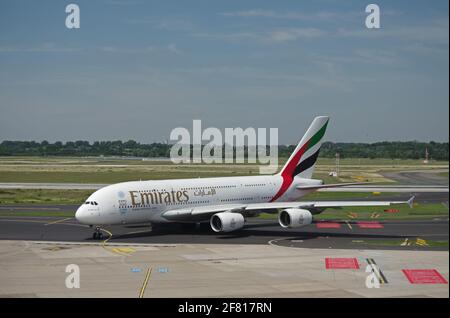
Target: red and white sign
(341,263)
(328,225)
(370,225)
(392,210)
(424,276)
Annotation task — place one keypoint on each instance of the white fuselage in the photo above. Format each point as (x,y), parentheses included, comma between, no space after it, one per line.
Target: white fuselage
(146,201)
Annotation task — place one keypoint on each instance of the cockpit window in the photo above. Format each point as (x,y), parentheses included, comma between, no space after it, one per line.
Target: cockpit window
(87,202)
(91,202)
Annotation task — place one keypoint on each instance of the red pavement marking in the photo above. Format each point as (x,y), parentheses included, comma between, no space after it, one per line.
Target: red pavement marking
(392,210)
(328,225)
(341,263)
(424,276)
(370,225)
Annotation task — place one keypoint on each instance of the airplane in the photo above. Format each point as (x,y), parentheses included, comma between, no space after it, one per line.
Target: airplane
(225,202)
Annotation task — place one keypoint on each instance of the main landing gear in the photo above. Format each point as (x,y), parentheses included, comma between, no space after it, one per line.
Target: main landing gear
(97,235)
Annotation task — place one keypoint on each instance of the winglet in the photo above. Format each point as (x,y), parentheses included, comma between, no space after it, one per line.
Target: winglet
(410,202)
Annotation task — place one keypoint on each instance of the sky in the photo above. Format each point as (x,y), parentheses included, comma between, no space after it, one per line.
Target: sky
(138,69)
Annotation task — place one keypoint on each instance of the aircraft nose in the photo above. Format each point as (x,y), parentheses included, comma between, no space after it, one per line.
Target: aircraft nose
(81,214)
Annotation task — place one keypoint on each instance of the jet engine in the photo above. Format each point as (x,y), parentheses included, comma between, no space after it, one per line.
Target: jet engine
(226,222)
(291,218)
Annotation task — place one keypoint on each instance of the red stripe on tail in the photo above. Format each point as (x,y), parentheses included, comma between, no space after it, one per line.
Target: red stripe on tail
(288,172)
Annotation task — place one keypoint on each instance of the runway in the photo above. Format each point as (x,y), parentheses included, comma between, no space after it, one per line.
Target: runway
(346,235)
(418,178)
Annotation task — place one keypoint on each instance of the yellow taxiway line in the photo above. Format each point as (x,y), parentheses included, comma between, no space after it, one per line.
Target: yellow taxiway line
(58,221)
(144,285)
(117,251)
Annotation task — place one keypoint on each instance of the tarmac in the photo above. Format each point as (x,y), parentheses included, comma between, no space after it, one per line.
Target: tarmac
(38,269)
(336,235)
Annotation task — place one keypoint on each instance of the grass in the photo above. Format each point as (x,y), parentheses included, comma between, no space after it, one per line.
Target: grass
(66,214)
(105,175)
(376,161)
(50,196)
(115,174)
(418,212)
(113,170)
(24,160)
(317,196)
(108,176)
(43,196)
(422,211)
(443,174)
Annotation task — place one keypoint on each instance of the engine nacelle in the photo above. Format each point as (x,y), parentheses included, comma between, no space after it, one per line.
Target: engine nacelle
(226,222)
(291,218)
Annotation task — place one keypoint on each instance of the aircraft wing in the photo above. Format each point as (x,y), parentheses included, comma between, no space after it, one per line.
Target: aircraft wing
(204,212)
(331,185)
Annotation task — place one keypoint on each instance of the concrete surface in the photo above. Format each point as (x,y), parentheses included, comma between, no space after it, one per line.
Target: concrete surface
(37,269)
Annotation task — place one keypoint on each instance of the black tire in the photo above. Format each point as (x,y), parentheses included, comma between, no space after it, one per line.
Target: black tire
(95,235)
(100,236)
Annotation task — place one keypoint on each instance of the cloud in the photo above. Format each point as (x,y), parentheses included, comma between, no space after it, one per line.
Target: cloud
(322,16)
(377,56)
(437,32)
(280,15)
(227,36)
(122,2)
(172,47)
(361,56)
(322,75)
(421,48)
(277,35)
(114,49)
(252,13)
(48,47)
(293,34)
(175,25)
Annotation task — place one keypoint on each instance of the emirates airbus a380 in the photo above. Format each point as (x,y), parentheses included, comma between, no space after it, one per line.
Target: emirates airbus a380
(224,202)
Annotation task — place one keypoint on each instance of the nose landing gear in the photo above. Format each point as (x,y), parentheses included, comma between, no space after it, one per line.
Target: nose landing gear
(97,235)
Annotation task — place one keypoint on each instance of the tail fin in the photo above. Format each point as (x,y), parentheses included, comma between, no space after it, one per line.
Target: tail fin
(301,162)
